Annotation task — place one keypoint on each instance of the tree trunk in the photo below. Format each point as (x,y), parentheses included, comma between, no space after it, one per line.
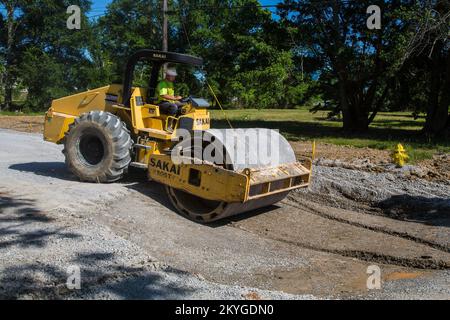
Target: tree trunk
(361,119)
(346,112)
(438,118)
(380,101)
(8,75)
(354,117)
(444,124)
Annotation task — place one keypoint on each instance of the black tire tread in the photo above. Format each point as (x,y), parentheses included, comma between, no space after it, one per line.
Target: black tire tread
(121,140)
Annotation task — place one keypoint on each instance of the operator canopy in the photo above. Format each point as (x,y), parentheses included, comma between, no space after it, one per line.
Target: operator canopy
(159,58)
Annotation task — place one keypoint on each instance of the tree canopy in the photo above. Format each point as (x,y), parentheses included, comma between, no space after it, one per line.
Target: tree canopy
(310,51)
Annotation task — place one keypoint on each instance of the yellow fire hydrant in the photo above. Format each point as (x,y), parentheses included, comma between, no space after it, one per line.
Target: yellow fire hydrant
(400,156)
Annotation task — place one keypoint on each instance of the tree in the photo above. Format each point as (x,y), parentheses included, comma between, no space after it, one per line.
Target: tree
(242,64)
(53,60)
(434,26)
(243,61)
(9,25)
(438,117)
(127,26)
(356,65)
(423,80)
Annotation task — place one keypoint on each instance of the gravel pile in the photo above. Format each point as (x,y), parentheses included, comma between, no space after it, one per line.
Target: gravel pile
(395,191)
(436,169)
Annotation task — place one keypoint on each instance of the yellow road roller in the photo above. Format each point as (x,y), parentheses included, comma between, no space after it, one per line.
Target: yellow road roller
(209,174)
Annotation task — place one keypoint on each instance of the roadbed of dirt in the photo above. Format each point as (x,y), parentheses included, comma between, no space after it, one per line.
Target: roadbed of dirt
(29,124)
(130,243)
(374,160)
(364,159)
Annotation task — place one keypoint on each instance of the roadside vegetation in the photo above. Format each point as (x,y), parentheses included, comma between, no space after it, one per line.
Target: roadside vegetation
(372,80)
(385,132)
(300,124)
(21,113)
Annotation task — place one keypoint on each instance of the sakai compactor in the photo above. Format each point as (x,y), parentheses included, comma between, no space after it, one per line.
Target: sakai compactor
(106,130)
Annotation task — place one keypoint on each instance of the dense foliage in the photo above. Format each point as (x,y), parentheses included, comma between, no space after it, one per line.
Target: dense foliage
(311,51)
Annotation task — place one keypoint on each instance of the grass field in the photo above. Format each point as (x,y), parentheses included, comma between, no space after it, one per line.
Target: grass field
(13,113)
(385,132)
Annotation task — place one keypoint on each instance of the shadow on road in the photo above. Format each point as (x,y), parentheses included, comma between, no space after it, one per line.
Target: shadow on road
(157,192)
(429,211)
(136,179)
(47,169)
(23,225)
(100,274)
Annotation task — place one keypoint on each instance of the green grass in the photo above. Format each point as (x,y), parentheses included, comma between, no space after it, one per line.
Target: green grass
(385,132)
(19,105)
(13,113)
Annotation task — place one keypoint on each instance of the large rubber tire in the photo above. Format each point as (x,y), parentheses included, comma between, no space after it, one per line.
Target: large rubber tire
(97,147)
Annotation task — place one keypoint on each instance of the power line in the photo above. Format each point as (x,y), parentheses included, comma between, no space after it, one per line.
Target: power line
(208,7)
(277,6)
(104,10)
(198,8)
(95,16)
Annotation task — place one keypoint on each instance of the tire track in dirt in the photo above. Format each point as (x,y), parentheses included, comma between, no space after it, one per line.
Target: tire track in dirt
(312,228)
(373,257)
(394,233)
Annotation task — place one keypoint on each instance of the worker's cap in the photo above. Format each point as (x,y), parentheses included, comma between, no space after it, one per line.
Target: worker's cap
(171,72)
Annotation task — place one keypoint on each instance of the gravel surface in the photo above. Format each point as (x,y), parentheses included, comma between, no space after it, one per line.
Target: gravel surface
(43,234)
(398,193)
(428,288)
(129,243)
(332,179)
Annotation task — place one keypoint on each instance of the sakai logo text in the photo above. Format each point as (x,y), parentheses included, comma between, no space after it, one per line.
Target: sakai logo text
(159,55)
(202,121)
(165,166)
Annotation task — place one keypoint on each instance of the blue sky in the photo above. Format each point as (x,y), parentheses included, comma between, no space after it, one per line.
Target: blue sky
(99,6)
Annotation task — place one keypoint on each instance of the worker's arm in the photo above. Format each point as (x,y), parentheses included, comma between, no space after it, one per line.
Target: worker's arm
(170,97)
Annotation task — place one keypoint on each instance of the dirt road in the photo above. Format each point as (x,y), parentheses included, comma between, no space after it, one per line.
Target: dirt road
(129,242)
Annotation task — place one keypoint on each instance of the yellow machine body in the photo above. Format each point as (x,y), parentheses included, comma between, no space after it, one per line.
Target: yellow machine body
(212,182)
(144,118)
(202,191)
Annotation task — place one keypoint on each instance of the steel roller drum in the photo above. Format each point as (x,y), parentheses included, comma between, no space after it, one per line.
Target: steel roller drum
(235,149)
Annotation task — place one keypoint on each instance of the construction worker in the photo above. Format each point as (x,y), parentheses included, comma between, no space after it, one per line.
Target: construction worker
(168,102)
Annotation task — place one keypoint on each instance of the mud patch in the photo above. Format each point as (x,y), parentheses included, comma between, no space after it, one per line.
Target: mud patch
(251,296)
(403,275)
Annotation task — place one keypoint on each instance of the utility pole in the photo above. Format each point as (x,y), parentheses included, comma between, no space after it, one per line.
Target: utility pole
(165,44)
